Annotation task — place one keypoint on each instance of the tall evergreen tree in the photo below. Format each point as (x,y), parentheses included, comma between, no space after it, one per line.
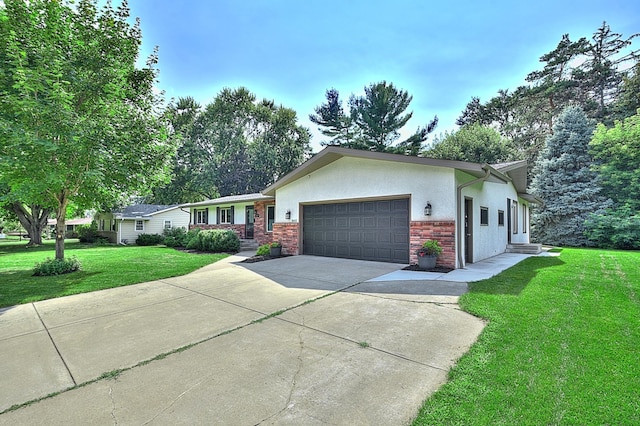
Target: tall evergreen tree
(333,120)
(565,182)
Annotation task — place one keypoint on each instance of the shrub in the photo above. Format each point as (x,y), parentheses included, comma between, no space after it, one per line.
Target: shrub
(263,250)
(215,241)
(175,237)
(149,239)
(88,233)
(617,229)
(57,267)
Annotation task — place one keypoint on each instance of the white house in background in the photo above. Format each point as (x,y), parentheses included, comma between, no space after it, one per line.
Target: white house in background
(377,206)
(71,225)
(125,225)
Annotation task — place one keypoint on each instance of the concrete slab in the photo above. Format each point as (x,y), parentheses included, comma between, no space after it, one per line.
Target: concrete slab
(424,332)
(334,270)
(269,373)
(19,320)
(439,291)
(487,268)
(31,368)
(80,307)
(264,295)
(105,343)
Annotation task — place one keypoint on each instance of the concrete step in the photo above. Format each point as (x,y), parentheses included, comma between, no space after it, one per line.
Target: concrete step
(523,248)
(247,244)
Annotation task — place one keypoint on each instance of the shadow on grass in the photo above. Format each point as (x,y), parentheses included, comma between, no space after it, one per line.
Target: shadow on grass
(515,279)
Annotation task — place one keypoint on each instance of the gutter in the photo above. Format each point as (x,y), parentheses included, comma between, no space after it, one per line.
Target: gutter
(487,171)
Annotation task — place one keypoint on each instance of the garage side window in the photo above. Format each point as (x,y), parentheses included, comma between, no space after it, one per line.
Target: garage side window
(500,218)
(139,225)
(271,215)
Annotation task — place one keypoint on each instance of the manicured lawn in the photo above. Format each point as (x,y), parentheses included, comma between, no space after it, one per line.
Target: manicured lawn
(562,346)
(103,267)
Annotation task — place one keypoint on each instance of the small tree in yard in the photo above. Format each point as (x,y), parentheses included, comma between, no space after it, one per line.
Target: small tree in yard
(78,120)
(564,181)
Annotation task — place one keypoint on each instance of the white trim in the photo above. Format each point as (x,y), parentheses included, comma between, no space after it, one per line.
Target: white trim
(164,224)
(135,225)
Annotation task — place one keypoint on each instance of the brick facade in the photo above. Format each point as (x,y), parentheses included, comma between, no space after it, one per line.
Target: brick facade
(443,231)
(260,233)
(288,233)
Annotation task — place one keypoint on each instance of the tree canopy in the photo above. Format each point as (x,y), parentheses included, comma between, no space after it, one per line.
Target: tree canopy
(374,120)
(78,120)
(234,145)
(563,179)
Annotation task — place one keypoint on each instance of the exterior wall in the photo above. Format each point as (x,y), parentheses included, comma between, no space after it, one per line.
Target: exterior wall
(289,236)
(442,231)
(490,240)
(353,179)
(260,233)
(126,229)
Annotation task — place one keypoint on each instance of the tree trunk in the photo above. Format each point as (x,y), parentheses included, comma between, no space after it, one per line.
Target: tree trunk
(34,221)
(61,213)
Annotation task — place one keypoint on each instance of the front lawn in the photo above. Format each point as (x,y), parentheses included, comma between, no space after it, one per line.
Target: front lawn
(102,267)
(561,347)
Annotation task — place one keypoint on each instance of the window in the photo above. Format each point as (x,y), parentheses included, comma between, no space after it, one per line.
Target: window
(101,228)
(139,225)
(167,224)
(525,215)
(514,216)
(484,216)
(500,218)
(201,217)
(225,215)
(113,224)
(271,217)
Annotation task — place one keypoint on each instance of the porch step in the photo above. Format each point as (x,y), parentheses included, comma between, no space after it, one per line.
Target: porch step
(524,248)
(247,245)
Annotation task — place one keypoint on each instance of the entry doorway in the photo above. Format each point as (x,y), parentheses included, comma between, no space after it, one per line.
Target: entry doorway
(249,221)
(468,230)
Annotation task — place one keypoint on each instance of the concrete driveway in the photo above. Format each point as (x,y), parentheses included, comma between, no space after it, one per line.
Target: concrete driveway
(296,340)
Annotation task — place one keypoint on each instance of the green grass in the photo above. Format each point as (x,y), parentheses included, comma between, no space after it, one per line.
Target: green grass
(102,267)
(561,347)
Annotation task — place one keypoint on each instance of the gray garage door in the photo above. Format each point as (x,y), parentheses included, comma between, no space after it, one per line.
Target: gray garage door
(368,230)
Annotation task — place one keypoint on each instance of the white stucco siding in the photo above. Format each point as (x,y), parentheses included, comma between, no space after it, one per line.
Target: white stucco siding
(358,179)
(491,240)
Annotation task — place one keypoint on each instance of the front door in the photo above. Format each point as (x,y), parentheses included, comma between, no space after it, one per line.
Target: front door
(468,230)
(508,221)
(249,219)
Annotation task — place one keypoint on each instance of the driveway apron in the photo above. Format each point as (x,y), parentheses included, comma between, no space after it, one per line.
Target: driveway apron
(296,340)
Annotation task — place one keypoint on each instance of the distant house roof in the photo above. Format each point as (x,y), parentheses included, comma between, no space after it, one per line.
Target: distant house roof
(77,221)
(230,199)
(142,210)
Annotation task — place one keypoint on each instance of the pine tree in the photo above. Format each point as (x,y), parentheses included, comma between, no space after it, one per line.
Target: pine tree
(564,181)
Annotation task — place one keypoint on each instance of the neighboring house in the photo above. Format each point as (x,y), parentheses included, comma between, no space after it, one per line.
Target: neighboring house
(71,225)
(377,206)
(124,226)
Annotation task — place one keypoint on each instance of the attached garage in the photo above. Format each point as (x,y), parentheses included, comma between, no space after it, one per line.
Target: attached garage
(367,230)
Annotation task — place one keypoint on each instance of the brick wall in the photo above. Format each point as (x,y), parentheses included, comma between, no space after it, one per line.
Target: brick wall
(443,231)
(260,233)
(238,229)
(288,234)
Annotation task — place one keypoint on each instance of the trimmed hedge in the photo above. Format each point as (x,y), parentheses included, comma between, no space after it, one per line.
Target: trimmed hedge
(215,241)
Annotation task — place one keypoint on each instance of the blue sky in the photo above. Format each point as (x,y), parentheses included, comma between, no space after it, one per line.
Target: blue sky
(442,53)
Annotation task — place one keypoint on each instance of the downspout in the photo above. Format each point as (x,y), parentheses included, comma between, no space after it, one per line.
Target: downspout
(120,232)
(487,171)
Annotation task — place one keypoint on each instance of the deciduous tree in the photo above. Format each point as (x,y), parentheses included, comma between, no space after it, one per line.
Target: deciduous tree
(78,119)
(474,143)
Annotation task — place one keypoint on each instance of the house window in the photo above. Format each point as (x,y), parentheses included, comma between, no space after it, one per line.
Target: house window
(201,216)
(525,215)
(484,216)
(167,224)
(271,215)
(500,218)
(101,225)
(225,215)
(113,224)
(69,227)
(514,216)
(139,225)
